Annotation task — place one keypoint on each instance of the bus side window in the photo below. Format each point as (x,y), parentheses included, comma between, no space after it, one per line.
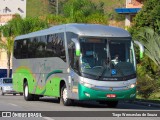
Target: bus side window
(73,60)
(61,46)
(18,49)
(24,50)
(55,46)
(71,51)
(33,47)
(49,47)
(41,47)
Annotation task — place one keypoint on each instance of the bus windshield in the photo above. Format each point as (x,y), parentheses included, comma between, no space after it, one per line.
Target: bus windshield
(104,58)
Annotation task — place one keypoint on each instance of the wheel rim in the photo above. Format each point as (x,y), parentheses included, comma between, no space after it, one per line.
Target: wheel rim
(65,94)
(26,91)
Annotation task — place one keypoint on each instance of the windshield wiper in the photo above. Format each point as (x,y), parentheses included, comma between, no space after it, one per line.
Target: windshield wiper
(110,68)
(102,73)
(119,70)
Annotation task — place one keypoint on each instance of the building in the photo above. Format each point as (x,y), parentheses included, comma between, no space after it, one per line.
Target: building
(132,7)
(8,9)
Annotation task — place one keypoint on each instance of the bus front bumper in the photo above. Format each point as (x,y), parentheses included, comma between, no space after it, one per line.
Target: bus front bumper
(91,94)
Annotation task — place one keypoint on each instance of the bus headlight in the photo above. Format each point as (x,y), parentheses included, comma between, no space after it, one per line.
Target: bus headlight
(132,85)
(87,85)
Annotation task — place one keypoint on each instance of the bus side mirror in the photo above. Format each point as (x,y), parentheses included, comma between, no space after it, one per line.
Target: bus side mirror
(141,48)
(77,45)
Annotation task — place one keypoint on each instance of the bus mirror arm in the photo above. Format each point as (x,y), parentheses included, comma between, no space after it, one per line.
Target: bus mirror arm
(141,47)
(77,45)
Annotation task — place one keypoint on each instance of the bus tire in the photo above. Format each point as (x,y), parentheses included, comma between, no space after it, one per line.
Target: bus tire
(112,104)
(58,100)
(64,100)
(27,95)
(36,97)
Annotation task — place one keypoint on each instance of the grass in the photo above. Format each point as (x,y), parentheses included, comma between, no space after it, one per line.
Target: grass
(110,5)
(37,8)
(154,98)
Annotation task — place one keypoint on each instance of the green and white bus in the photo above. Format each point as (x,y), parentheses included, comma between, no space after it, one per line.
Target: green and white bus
(76,62)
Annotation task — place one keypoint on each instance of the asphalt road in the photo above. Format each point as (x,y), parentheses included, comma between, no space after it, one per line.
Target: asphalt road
(17,103)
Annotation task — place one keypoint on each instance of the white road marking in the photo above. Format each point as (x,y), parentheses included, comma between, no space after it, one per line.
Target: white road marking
(48,118)
(13,104)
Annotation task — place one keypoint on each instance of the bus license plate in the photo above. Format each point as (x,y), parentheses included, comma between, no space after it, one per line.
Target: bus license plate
(111,95)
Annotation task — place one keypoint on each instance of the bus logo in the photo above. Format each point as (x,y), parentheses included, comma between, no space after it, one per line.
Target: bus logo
(110,88)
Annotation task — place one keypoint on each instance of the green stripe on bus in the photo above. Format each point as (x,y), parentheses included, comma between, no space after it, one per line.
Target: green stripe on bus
(51,87)
(53,72)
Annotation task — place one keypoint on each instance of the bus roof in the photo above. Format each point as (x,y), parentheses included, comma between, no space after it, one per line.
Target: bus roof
(80,29)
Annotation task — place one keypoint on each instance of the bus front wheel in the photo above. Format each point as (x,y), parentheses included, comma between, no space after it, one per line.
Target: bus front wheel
(64,100)
(27,95)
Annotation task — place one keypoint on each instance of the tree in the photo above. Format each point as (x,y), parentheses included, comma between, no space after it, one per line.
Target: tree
(148,16)
(18,26)
(8,47)
(97,18)
(55,19)
(151,41)
(147,81)
(80,11)
(148,72)
(146,86)
(52,5)
(146,29)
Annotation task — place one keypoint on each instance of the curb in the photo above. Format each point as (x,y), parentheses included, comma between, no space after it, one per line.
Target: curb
(149,104)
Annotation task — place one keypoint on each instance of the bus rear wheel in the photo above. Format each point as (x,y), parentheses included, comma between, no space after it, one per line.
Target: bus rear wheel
(64,100)
(27,95)
(36,97)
